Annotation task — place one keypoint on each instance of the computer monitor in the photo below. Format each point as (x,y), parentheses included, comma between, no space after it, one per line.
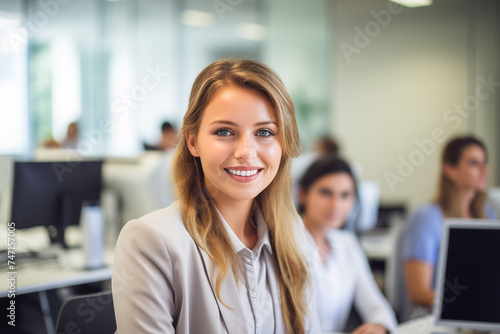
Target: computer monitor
(51,194)
(468,277)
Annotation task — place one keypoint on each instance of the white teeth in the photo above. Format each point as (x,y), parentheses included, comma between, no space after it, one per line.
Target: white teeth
(243,172)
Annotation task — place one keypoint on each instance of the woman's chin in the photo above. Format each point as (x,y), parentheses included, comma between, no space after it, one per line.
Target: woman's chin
(335,224)
(482,187)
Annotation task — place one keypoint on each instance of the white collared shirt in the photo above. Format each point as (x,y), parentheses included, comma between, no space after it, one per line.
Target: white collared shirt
(345,279)
(255,293)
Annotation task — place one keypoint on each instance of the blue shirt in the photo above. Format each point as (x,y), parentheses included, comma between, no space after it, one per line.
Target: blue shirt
(422,233)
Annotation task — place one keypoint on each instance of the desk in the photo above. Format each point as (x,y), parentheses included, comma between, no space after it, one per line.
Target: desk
(378,246)
(425,325)
(35,275)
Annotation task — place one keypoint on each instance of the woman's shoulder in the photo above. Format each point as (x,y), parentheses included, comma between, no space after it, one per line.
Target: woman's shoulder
(169,215)
(425,220)
(165,223)
(427,213)
(335,233)
(429,208)
(343,238)
(346,248)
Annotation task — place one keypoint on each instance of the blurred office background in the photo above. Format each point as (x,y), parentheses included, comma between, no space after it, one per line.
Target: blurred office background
(390,83)
(376,83)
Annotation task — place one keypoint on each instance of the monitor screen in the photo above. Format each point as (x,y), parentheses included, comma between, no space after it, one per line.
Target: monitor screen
(468,281)
(52,193)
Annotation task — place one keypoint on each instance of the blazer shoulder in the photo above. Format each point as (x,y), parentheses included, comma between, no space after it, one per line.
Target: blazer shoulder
(170,215)
(166,223)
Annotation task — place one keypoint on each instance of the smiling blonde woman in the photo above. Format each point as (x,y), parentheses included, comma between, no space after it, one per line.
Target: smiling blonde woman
(225,257)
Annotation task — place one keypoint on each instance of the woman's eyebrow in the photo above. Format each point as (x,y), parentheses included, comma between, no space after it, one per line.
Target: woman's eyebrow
(236,124)
(224,122)
(265,123)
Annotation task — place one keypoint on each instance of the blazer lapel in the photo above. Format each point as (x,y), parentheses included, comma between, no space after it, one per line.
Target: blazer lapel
(233,318)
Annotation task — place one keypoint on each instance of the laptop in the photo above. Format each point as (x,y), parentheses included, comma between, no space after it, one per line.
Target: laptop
(468,277)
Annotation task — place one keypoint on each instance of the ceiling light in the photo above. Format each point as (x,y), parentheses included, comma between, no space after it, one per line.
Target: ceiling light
(252,31)
(197,19)
(413,3)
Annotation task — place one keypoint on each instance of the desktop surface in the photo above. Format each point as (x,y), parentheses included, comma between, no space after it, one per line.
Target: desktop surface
(61,268)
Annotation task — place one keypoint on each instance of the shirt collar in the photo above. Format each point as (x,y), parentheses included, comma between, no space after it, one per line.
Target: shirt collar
(330,236)
(263,239)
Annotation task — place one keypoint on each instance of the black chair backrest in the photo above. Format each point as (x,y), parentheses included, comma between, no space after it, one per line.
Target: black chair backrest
(87,314)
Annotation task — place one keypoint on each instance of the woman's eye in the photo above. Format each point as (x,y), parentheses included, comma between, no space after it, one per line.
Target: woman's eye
(264,133)
(474,163)
(346,195)
(223,132)
(325,192)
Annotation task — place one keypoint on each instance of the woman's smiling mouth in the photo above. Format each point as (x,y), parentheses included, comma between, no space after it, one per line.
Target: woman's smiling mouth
(244,174)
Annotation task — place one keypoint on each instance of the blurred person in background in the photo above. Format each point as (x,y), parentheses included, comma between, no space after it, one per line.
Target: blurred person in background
(71,139)
(342,277)
(326,145)
(462,190)
(168,139)
(69,142)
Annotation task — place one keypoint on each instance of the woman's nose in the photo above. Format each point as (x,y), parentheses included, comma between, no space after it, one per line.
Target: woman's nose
(245,148)
(333,202)
(484,168)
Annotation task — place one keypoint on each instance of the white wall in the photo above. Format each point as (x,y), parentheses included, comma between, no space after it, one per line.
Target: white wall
(397,88)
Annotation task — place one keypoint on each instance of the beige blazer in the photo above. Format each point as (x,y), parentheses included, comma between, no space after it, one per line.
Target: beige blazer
(162,283)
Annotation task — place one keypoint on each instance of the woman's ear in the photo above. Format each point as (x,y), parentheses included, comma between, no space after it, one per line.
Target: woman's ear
(191,143)
(450,172)
(302,196)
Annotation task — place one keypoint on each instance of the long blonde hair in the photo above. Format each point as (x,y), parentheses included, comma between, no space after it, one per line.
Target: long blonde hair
(198,211)
(446,188)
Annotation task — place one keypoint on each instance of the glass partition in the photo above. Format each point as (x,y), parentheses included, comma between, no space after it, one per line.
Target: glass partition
(121,68)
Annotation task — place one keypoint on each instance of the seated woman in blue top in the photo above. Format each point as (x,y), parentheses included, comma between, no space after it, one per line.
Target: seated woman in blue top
(461,194)
(342,277)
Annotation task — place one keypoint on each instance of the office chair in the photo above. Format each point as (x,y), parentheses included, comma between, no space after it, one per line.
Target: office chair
(394,280)
(87,314)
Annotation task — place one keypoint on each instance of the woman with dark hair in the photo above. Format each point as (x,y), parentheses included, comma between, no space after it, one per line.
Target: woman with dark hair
(461,194)
(342,278)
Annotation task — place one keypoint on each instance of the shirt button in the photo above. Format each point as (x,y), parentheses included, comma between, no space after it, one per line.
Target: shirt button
(253,294)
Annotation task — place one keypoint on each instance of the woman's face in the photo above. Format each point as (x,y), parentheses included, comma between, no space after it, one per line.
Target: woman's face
(329,200)
(237,143)
(471,172)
